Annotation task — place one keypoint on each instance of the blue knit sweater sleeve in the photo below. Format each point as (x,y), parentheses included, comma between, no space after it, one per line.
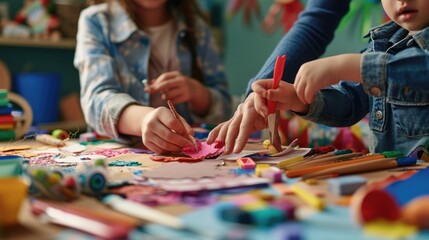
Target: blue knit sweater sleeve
(308,38)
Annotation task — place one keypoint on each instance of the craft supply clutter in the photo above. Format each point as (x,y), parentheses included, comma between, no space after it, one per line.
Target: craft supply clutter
(72,166)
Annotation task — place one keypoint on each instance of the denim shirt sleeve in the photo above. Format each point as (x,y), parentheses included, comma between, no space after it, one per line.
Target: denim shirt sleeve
(308,38)
(214,79)
(102,98)
(402,77)
(340,105)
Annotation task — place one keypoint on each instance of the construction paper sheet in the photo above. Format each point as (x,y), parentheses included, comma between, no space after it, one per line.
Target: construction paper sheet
(334,224)
(266,158)
(211,184)
(178,170)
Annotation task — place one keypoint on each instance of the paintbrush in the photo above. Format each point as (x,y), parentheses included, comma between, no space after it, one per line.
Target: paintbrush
(177,116)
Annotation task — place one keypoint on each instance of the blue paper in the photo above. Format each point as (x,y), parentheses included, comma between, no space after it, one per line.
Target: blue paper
(406,190)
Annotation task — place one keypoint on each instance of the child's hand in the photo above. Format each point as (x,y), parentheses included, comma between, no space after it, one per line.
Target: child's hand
(174,86)
(162,132)
(321,73)
(237,130)
(285,97)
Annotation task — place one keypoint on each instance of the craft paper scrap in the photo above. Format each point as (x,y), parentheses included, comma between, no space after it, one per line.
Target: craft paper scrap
(179,170)
(204,150)
(77,159)
(265,157)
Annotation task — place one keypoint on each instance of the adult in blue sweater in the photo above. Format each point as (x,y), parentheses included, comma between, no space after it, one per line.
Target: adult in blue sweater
(306,41)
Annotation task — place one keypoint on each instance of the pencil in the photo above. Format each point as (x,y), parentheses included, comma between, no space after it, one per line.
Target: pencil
(177,116)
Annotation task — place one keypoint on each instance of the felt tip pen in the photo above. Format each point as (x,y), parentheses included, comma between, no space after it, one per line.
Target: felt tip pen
(142,212)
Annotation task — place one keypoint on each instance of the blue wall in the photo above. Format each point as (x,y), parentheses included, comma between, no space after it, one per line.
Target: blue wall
(246,48)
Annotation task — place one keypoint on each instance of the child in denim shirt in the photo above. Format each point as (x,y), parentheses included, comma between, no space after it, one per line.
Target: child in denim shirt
(389,81)
(122,42)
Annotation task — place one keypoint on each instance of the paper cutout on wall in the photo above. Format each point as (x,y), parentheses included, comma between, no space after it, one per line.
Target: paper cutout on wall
(249,7)
(288,11)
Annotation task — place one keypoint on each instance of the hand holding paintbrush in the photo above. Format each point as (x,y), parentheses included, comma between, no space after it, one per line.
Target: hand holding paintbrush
(177,116)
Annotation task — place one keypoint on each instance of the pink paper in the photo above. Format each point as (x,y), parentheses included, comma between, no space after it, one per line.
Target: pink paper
(205,150)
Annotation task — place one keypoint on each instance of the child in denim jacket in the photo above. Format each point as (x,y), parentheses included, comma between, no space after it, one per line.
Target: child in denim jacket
(122,42)
(390,81)
(307,40)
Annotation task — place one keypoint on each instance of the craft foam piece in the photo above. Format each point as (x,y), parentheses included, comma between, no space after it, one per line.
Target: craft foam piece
(231,213)
(286,206)
(267,216)
(345,185)
(260,167)
(246,163)
(273,174)
(204,150)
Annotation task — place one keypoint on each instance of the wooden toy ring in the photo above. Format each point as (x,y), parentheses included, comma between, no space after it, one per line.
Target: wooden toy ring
(4,76)
(22,123)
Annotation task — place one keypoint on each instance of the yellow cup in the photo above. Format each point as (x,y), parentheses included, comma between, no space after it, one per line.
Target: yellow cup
(13,191)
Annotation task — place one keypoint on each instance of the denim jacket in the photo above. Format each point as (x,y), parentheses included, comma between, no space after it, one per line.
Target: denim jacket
(112,57)
(395,91)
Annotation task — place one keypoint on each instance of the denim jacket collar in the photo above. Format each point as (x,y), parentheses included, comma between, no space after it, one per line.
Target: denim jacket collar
(396,33)
(122,26)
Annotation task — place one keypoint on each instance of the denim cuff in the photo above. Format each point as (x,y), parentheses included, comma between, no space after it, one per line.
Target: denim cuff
(316,108)
(110,116)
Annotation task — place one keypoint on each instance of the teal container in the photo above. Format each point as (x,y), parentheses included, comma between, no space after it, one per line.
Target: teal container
(10,166)
(42,91)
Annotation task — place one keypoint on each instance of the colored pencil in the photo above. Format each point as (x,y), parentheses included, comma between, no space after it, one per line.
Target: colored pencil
(332,159)
(312,158)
